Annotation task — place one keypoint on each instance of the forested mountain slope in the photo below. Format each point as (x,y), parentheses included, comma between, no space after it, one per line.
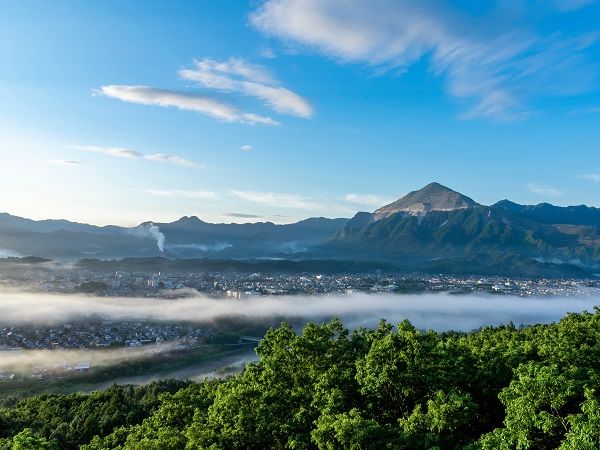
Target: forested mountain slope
(462,232)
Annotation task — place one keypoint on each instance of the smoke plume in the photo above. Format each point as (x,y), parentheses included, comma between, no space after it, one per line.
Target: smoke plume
(160,238)
(150,231)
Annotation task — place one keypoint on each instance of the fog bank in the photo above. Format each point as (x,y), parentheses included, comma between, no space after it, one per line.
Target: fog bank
(437,311)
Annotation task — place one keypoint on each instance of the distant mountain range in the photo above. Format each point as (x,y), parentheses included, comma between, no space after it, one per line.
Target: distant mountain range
(185,238)
(432,229)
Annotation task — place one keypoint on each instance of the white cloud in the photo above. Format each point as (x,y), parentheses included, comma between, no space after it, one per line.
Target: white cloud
(62,162)
(174,159)
(236,75)
(544,190)
(112,151)
(146,95)
(366,199)
(268,53)
(280,200)
(591,176)
(186,194)
(246,147)
(126,153)
(489,61)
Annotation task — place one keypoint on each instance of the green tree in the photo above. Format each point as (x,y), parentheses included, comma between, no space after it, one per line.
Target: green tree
(27,440)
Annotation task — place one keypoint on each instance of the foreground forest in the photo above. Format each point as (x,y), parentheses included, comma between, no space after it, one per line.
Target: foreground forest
(498,388)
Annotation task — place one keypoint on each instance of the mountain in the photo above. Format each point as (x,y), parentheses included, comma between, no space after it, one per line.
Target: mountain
(433,229)
(187,237)
(438,229)
(550,214)
(433,197)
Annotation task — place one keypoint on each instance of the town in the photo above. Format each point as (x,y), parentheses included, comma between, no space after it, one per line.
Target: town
(93,333)
(241,285)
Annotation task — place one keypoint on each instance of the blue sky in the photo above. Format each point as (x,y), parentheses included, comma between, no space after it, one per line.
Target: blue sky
(279,110)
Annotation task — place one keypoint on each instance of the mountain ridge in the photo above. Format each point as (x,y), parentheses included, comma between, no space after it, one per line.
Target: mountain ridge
(434,228)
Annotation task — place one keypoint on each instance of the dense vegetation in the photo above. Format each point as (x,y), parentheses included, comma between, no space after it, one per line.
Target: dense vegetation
(160,264)
(498,388)
(56,421)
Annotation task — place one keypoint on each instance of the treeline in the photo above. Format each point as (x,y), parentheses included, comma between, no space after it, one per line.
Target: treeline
(54,421)
(159,264)
(327,388)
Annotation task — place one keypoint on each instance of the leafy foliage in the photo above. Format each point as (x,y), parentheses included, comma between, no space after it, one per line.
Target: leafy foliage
(329,388)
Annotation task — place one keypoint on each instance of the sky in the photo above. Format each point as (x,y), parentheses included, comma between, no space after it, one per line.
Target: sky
(278,110)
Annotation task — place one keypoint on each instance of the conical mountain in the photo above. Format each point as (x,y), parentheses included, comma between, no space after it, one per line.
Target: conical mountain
(433,197)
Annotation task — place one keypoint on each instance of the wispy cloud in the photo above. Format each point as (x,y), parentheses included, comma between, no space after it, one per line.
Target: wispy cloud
(246,147)
(242,216)
(236,75)
(132,154)
(595,177)
(161,157)
(544,190)
(492,62)
(186,194)
(62,162)
(280,200)
(112,151)
(367,199)
(146,95)
(268,53)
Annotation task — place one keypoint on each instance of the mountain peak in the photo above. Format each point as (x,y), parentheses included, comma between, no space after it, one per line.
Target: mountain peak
(433,197)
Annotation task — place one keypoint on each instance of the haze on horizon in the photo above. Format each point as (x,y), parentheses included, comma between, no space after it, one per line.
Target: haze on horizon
(280,110)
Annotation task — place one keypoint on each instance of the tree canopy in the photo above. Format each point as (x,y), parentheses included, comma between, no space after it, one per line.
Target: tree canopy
(329,388)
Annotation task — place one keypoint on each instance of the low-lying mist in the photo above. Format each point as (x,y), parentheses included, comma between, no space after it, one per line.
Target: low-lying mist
(15,361)
(437,311)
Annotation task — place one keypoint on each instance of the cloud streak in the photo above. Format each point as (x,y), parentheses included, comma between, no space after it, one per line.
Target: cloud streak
(151,96)
(62,162)
(161,157)
(236,75)
(243,216)
(367,199)
(132,154)
(280,200)
(544,190)
(112,151)
(207,195)
(491,63)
